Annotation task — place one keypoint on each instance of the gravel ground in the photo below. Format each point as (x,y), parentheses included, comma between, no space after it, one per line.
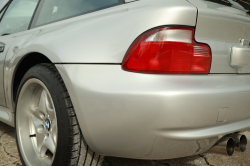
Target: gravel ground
(9,156)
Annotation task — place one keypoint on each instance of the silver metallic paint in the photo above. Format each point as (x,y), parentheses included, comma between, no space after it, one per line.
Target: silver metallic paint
(5,41)
(240,56)
(101,37)
(7,116)
(139,115)
(96,35)
(126,114)
(220,27)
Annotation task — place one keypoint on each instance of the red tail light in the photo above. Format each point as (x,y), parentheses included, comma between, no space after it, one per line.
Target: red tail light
(168,50)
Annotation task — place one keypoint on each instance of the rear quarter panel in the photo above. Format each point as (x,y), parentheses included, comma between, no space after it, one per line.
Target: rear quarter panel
(100,37)
(105,36)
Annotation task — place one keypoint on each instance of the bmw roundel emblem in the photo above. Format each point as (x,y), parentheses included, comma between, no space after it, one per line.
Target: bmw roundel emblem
(47,124)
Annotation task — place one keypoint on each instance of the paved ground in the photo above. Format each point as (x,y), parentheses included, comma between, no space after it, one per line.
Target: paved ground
(9,156)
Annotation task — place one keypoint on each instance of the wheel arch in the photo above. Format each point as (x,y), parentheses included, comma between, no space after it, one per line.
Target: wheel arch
(24,64)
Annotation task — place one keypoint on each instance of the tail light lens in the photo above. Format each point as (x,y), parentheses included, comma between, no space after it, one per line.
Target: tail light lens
(168,50)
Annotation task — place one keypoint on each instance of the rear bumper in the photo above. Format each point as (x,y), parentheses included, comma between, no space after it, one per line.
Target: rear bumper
(152,116)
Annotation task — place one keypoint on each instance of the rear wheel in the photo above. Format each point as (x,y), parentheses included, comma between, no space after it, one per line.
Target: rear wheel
(47,129)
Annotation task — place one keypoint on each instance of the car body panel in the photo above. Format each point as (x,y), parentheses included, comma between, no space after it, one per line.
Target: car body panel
(134,115)
(12,61)
(221,27)
(6,116)
(100,37)
(106,49)
(130,114)
(5,41)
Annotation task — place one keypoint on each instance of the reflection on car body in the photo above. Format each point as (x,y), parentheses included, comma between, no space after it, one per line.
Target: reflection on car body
(146,79)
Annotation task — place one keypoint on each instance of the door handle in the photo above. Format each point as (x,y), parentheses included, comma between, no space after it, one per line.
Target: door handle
(1,49)
(240,54)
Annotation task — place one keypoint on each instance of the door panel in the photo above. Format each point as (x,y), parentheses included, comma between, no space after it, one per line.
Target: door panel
(221,27)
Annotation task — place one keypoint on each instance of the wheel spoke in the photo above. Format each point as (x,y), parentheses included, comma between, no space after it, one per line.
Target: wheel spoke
(39,129)
(50,109)
(40,138)
(53,131)
(45,105)
(49,143)
(37,121)
(42,102)
(38,114)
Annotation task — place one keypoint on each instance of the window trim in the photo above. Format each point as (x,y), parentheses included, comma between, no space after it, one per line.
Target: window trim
(6,6)
(31,20)
(40,7)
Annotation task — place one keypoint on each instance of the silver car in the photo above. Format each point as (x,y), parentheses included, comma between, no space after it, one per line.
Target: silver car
(144,79)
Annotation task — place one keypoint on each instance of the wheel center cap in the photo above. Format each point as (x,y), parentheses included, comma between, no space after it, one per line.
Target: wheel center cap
(47,124)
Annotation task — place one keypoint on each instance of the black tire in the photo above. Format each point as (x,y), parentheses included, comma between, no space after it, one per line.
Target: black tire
(71,149)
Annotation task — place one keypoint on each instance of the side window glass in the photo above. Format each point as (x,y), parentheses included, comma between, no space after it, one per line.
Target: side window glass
(3,3)
(55,10)
(18,16)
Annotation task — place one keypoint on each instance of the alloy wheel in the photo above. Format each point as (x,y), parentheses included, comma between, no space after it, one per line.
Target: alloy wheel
(36,124)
